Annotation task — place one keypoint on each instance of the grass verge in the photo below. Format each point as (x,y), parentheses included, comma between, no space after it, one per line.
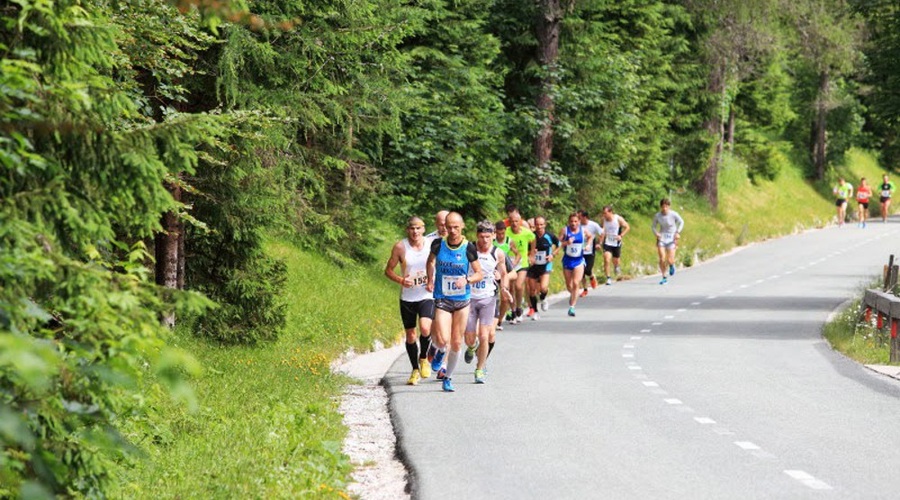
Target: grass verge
(860,341)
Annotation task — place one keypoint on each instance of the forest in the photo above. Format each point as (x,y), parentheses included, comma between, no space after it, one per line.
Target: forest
(149,148)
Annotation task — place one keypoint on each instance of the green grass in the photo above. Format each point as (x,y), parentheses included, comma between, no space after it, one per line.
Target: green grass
(858,340)
(267,424)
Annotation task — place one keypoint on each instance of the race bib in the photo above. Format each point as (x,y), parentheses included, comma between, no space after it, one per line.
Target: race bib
(449,287)
(419,278)
(669,236)
(611,240)
(574,249)
(540,258)
(481,285)
(886,193)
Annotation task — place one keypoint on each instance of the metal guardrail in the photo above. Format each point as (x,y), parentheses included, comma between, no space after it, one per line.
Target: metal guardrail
(886,307)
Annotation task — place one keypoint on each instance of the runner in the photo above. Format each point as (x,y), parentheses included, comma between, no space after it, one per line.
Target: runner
(595,231)
(541,259)
(440,224)
(862,199)
(843,191)
(614,229)
(416,302)
(667,226)
(512,256)
(484,301)
(887,190)
(573,240)
(523,239)
(452,267)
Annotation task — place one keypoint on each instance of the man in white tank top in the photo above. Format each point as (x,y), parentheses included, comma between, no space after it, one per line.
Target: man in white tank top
(416,302)
(484,308)
(614,230)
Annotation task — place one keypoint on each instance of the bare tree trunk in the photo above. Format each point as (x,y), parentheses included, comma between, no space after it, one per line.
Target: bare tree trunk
(708,184)
(181,261)
(548,26)
(167,252)
(820,126)
(730,132)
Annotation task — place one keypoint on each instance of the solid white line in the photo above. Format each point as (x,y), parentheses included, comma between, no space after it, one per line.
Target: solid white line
(704,420)
(746,445)
(673,401)
(650,384)
(807,479)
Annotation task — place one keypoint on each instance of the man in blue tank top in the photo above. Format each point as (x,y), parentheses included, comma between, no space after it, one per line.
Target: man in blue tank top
(452,267)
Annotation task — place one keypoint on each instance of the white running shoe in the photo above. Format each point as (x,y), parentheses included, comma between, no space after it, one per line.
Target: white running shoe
(545,305)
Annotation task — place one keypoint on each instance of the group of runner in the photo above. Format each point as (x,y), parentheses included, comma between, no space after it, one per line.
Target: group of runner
(461,291)
(844,191)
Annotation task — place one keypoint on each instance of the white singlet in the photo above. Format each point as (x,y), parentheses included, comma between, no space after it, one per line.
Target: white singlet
(487,287)
(415,269)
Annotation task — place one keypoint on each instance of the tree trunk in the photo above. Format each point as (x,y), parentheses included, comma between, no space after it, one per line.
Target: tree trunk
(548,26)
(730,132)
(167,251)
(708,184)
(819,126)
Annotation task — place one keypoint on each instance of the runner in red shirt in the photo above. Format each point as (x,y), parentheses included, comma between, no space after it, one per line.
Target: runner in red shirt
(863,193)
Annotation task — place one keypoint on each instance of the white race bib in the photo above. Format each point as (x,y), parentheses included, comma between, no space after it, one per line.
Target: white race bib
(668,236)
(481,285)
(540,258)
(611,240)
(574,249)
(886,193)
(418,278)
(449,287)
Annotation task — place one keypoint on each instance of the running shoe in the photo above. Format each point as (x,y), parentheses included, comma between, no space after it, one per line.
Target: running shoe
(441,374)
(663,281)
(608,281)
(531,312)
(499,328)
(618,270)
(448,385)
(479,376)
(572,311)
(424,368)
(593,282)
(584,293)
(509,315)
(413,378)
(470,354)
(438,359)
(536,316)
(544,304)
(430,355)
(671,269)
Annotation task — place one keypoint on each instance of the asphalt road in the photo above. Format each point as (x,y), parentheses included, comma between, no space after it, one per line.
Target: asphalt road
(717,385)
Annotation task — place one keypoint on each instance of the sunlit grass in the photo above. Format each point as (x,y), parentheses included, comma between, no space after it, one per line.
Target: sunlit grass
(859,340)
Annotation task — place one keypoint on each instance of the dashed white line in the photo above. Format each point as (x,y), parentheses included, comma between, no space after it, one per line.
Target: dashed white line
(634,367)
(673,401)
(745,286)
(758,281)
(656,323)
(704,420)
(668,317)
(728,291)
(682,310)
(636,338)
(645,330)
(650,384)
(628,346)
(807,479)
(695,303)
(774,277)
(746,445)
(628,355)
(712,297)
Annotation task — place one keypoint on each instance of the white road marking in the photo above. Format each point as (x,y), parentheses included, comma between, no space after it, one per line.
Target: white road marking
(636,338)
(695,303)
(628,346)
(682,310)
(628,355)
(669,317)
(774,277)
(728,291)
(745,286)
(634,367)
(650,384)
(712,297)
(704,420)
(758,281)
(645,330)
(673,401)
(789,272)
(808,479)
(656,323)
(746,445)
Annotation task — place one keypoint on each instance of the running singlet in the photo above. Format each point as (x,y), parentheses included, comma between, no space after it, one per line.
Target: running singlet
(521,241)
(543,247)
(415,270)
(668,225)
(487,287)
(594,230)
(843,191)
(611,231)
(863,194)
(450,264)
(886,189)
(573,257)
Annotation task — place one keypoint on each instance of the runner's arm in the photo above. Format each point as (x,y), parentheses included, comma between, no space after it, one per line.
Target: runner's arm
(625,227)
(392,262)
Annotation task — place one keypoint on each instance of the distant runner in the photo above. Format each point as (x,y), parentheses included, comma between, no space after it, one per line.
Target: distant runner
(416,302)
(523,239)
(512,256)
(887,190)
(666,226)
(573,239)
(440,231)
(480,328)
(542,253)
(594,230)
(614,229)
(452,267)
(862,199)
(843,191)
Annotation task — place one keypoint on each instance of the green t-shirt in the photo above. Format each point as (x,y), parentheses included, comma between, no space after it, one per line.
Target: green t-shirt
(843,191)
(521,241)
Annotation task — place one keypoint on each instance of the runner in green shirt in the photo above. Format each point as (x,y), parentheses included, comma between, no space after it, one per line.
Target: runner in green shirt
(843,191)
(523,239)
(886,190)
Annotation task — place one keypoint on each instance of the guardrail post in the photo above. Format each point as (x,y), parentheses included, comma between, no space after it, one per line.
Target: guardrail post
(895,349)
(888,274)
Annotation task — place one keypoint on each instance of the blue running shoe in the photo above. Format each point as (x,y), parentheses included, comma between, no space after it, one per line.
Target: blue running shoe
(572,311)
(448,385)
(438,359)
(663,281)
(671,269)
